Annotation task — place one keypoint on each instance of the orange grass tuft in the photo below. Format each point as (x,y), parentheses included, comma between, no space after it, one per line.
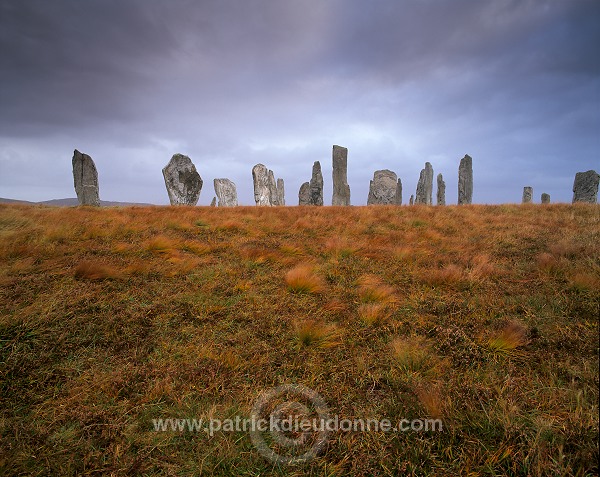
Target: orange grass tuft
(302,279)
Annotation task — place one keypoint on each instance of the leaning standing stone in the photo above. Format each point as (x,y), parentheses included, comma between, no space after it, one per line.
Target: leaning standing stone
(226,192)
(213,202)
(382,190)
(441,190)
(585,187)
(341,189)
(316,185)
(424,194)
(304,194)
(85,177)
(182,181)
(527,194)
(545,198)
(465,180)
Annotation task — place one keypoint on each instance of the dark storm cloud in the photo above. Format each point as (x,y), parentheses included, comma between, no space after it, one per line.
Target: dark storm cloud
(232,83)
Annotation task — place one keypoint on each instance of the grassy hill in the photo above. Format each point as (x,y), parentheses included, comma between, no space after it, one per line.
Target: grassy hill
(485,317)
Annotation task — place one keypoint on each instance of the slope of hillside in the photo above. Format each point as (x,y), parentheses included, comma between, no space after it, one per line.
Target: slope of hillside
(482,317)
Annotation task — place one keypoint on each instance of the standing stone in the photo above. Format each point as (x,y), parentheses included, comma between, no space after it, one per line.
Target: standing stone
(341,189)
(182,180)
(213,203)
(465,180)
(527,194)
(412,200)
(304,194)
(272,188)
(316,185)
(280,192)
(398,198)
(424,194)
(545,198)
(262,190)
(441,190)
(226,192)
(585,187)
(85,178)
(382,190)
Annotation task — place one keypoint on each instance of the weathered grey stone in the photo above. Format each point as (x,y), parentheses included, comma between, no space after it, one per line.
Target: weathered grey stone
(316,185)
(182,181)
(85,178)
(585,187)
(280,192)
(412,200)
(441,190)
(382,189)
(398,198)
(341,189)
(424,194)
(272,188)
(527,194)
(226,192)
(545,198)
(465,180)
(213,202)
(262,186)
(304,194)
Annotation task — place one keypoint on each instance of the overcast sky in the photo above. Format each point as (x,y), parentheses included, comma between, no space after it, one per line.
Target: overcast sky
(232,83)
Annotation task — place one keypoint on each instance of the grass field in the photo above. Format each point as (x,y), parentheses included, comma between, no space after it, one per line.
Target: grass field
(485,317)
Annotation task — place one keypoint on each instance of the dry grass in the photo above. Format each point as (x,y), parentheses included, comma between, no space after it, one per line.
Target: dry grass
(302,279)
(484,316)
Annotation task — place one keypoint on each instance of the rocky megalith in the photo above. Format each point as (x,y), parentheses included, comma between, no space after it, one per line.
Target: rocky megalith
(182,181)
(398,192)
(262,187)
(585,187)
(527,194)
(226,192)
(412,200)
(85,177)
(545,198)
(383,188)
(441,190)
(213,202)
(304,194)
(316,185)
(424,194)
(465,180)
(341,189)
(280,192)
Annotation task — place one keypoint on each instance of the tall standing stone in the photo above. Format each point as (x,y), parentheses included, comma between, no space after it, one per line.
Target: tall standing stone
(527,194)
(585,187)
(316,185)
(545,198)
(226,192)
(424,194)
(398,198)
(182,181)
(85,178)
(382,189)
(465,180)
(341,189)
(441,190)
(304,194)
(280,192)
(262,188)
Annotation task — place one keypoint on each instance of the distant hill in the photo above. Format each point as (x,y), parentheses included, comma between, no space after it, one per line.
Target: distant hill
(70,202)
